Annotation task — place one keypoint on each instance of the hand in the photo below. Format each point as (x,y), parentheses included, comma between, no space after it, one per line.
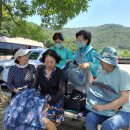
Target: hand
(15,90)
(117,108)
(98,107)
(84,65)
(46,107)
(67,61)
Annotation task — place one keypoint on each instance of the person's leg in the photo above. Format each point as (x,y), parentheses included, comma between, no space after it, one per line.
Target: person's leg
(92,120)
(120,120)
(49,124)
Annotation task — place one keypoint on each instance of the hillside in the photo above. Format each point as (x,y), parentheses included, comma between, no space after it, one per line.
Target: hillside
(114,35)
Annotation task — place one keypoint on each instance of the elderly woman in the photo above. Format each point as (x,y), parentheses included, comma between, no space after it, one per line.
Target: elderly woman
(39,107)
(22,74)
(84,55)
(118,82)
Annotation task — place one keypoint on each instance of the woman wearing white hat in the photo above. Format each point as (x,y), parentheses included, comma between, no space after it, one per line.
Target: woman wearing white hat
(111,109)
(42,106)
(22,73)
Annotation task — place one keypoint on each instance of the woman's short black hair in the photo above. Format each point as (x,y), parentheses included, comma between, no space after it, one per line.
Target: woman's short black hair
(58,35)
(16,61)
(86,35)
(51,53)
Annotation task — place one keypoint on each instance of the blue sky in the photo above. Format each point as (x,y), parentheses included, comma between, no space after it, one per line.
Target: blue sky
(100,12)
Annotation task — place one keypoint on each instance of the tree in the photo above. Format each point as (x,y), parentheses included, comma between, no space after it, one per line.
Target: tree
(124,53)
(0,14)
(14,10)
(54,13)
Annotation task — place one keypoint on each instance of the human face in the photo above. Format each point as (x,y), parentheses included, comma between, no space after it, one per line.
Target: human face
(23,60)
(81,42)
(58,44)
(58,40)
(107,67)
(50,62)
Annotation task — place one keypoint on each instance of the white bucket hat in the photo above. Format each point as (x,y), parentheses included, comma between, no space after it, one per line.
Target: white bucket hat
(21,52)
(109,56)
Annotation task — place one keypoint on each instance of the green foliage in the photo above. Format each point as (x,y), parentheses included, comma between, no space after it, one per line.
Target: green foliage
(69,43)
(54,13)
(4,33)
(18,8)
(26,30)
(124,53)
(57,13)
(105,35)
(48,43)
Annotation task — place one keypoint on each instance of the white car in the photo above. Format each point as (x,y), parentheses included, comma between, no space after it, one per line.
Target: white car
(34,59)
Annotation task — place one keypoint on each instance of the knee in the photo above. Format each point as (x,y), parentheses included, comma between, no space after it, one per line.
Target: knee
(46,121)
(107,125)
(91,121)
(90,117)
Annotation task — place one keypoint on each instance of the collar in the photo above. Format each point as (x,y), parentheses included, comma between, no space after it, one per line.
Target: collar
(86,48)
(61,48)
(21,66)
(116,69)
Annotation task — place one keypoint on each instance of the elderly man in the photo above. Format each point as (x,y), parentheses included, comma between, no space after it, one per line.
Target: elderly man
(119,82)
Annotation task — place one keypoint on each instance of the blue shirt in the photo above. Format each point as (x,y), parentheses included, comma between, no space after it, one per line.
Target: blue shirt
(119,80)
(20,77)
(89,57)
(65,53)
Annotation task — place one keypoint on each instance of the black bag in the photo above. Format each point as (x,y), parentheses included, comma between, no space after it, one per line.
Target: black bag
(75,101)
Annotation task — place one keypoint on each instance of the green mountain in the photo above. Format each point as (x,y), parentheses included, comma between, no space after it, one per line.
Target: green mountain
(114,35)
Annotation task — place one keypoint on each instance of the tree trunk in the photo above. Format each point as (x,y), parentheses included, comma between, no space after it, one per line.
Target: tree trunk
(0,15)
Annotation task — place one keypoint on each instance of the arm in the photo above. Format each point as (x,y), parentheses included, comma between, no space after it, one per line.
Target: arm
(124,98)
(70,55)
(93,63)
(36,78)
(124,88)
(10,80)
(33,73)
